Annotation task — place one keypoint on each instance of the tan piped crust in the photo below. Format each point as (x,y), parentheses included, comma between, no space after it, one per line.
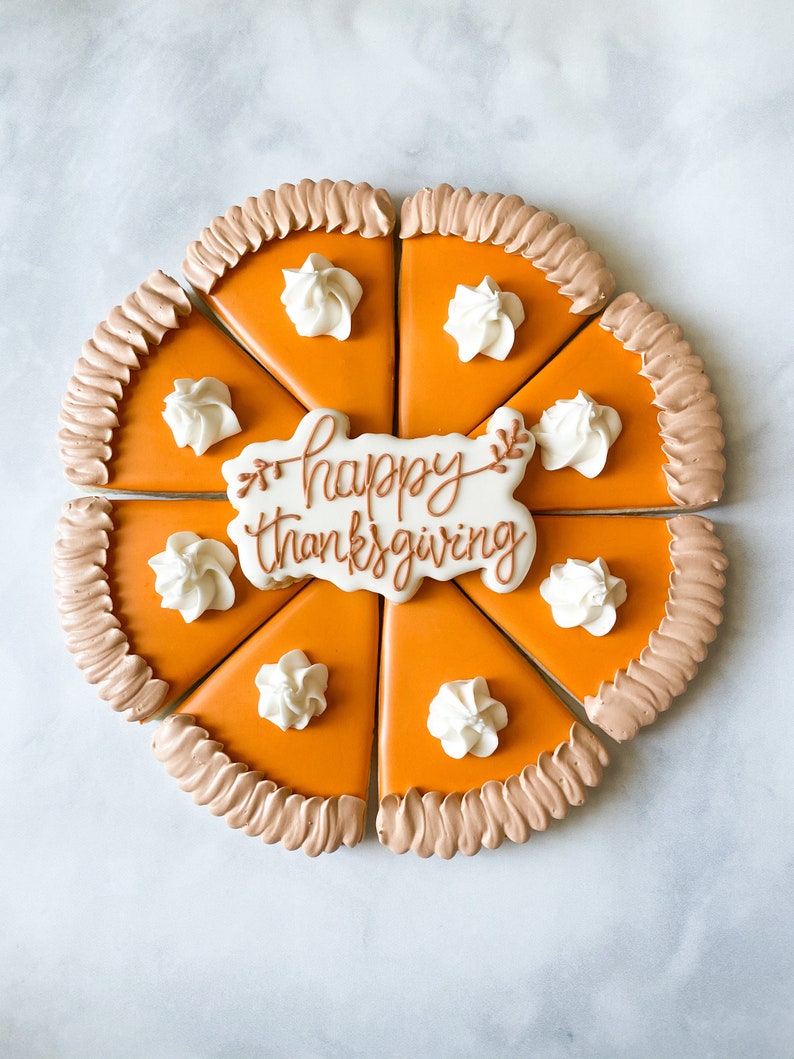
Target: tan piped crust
(89,409)
(693,613)
(689,422)
(273,214)
(93,633)
(249,801)
(455,823)
(506,220)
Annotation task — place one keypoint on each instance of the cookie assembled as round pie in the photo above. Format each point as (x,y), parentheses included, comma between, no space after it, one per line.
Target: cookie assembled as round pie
(304,523)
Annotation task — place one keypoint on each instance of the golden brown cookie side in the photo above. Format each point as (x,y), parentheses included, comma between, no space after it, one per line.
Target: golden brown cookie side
(332,205)
(248,800)
(93,632)
(89,412)
(693,613)
(462,823)
(506,220)
(689,420)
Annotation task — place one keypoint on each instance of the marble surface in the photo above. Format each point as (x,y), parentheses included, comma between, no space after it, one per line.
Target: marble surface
(657,920)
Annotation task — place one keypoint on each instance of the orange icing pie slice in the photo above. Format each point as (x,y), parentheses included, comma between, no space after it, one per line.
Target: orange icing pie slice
(262,407)
(328,761)
(656,462)
(352,231)
(597,364)
(113,430)
(673,576)
(454,238)
(445,638)
(436,638)
(504,321)
(117,617)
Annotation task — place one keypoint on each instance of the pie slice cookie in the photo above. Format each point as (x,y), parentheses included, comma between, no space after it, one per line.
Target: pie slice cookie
(303,786)
(434,803)
(113,431)
(238,265)
(673,574)
(451,238)
(669,451)
(142,655)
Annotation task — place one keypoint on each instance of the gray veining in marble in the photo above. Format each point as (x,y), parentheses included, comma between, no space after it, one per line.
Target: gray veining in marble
(657,921)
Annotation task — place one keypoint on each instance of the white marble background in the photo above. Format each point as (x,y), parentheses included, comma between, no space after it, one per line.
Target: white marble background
(657,921)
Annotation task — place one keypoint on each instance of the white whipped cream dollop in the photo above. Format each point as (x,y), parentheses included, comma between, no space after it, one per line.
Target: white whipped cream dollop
(577,433)
(585,594)
(319,298)
(292,690)
(200,413)
(466,719)
(484,319)
(192,575)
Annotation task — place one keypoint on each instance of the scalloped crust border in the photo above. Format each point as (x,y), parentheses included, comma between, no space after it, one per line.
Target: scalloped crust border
(693,612)
(93,632)
(444,825)
(89,411)
(507,221)
(248,800)
(689,423)
(276,212)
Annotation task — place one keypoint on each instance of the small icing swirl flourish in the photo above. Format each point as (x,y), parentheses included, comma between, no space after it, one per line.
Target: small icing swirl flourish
(577,433)
(292,690)
(320,299)
(192,575)
(465,718)
(200,413)
(483,319)
(584,594)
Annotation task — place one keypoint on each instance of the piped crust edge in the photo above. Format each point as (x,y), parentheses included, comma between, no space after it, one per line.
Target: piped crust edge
(506,220)
(93,632)
(89,411)
(276,212)
(689,421)
(693,613)
(444,825)
(247,799)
